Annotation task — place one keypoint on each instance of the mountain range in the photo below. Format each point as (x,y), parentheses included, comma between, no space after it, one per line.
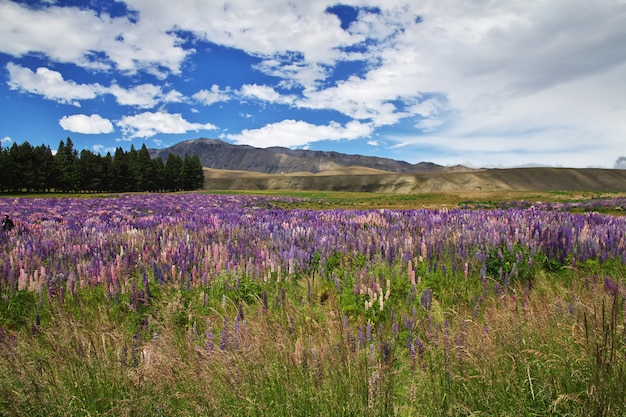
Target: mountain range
(242,167)
(217,154)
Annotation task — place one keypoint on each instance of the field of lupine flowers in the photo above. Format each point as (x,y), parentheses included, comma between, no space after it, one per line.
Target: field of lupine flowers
(229,305)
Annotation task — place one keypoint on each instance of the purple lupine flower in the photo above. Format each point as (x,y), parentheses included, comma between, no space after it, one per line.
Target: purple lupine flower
(611,286)
(426,299)
(361,337)
(209,344)
(386,352)
(420,347)
(146,288)
(224,339)
(291,325)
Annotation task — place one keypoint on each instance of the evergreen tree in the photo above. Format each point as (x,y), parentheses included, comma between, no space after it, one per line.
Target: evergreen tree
(136,176)
(121,175)
(3,169)
(147,180)
(10,170)
(173,173)
(65,160)
(25,168)
(159,174)
(193,174)
(106,171)
(43,163)
(90,169)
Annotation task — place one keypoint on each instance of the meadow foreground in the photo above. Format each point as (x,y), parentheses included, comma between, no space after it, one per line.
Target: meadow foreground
(207,304)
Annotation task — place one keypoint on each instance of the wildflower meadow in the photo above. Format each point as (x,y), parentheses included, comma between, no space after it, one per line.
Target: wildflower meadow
(230,305)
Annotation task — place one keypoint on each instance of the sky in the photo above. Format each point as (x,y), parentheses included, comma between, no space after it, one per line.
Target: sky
(483,83)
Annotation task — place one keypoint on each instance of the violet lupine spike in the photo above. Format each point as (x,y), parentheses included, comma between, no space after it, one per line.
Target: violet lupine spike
(611,286)
(224,339)
(419,347)
(209,345)
(426,299)
(361,337)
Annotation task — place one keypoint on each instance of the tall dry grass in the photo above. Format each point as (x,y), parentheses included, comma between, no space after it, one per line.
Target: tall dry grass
(554,349)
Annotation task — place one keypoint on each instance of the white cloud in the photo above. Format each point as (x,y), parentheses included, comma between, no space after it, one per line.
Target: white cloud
(89,125)
(521,81)
(266,29)
(80,36)
(63,34)
(144,96)
(214,95)
(264,93)
(102,150)
(5,141)
(296,133)
(148,124)
(358,98)
(50,84)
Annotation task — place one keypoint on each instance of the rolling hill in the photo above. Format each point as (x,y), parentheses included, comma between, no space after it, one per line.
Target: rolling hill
(362,179)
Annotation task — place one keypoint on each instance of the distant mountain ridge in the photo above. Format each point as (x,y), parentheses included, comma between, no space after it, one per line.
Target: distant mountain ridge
(242,167)
(217,154)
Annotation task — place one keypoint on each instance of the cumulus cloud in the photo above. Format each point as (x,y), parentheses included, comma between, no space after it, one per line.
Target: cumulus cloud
(369,98)
(264,93)
(620,163)
(89,125)
(49,30)
(297,133)
(89,39)
(213,95)
(144,96)
(5,141)
(148,124)
(267,29)
(50,84)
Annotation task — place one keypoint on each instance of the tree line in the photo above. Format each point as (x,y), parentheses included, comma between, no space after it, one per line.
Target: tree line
(24,168)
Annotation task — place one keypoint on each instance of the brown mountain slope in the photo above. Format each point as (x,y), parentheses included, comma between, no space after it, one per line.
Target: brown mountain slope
(214,153)
(359,179)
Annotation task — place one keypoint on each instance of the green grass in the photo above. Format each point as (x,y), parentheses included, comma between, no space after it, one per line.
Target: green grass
(365,200)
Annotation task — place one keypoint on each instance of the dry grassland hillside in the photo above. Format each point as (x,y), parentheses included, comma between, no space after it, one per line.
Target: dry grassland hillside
(361,179)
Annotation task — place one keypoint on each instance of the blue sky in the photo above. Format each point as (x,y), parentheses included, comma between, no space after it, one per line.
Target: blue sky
(480,83)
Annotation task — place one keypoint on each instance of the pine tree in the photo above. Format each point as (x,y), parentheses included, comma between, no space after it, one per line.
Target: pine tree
(147,169)
(173,173)
(65,161)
